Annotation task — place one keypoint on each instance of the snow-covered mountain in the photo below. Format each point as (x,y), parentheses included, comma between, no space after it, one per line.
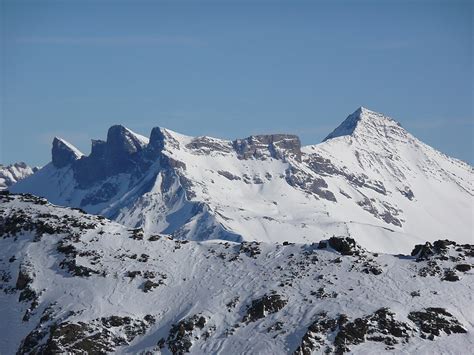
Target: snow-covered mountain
(10,174)
(77,283)
(369,179)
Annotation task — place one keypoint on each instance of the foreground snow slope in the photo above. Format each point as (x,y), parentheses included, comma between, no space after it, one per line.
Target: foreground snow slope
(370,179)
(72,282)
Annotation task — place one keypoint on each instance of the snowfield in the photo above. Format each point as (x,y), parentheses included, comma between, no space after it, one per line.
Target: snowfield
(77,283)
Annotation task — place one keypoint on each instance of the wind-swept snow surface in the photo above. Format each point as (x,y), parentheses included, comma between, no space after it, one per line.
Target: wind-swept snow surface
(77,283)
(370,180)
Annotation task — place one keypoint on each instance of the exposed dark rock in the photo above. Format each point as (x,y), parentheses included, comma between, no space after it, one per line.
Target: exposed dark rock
(103,194)
(310,184)
(181,334)
(98,149)
(443,244)
(121,143)
(263,306)
(408,193)
(336,335)
(27,294)
(232,304)
(314,338)
(123,152)
(431,269)
(463,267)
(437,250)
(228,175)
(24,279)
(252,249)
(149,274)
(322,244)
(324,167)
(94,337)
(89,170)
(154,238)
(133,274)
(450,275)
(433,321)
(388,215)
(115,321)
(372,269)
(321,293)
(149,285)
(77,270)
(65,248)
(345,245)
(158,137)
(275,327)
(137,233)
(207,145)
(143,258)
(62,153)
(423,251)
(278,146)
(350,333)
(32,340)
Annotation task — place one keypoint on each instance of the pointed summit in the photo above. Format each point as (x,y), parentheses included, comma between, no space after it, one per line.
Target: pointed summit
(365,122)
(122,143)
(64,153)
(122,139)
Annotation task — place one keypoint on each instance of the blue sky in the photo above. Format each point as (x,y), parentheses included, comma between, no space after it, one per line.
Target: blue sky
(231,69)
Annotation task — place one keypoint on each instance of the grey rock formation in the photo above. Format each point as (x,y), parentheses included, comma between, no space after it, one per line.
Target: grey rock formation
(63,153)
(120,149)
(276,146)
(119,154)
(98,148)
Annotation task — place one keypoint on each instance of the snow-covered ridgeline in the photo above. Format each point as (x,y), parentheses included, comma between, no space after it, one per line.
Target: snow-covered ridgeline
(369,179)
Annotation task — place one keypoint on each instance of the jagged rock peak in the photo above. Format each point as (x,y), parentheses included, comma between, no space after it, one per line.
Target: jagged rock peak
(366,121)
(276,146)
(98,148)
(121,139)
(64,153)
(160,136)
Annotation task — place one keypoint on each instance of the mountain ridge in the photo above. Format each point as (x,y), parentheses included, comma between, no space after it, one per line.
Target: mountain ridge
(379,181)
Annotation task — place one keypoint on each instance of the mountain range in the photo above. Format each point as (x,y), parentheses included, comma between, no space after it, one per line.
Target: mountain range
(369,179)
(174,244)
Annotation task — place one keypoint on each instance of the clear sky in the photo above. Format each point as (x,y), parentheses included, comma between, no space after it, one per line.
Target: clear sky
(232,68)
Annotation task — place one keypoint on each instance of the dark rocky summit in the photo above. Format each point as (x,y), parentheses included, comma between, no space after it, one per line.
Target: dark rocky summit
(62,153)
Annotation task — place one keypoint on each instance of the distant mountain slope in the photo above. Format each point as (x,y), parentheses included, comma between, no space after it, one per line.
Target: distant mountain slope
(77,283)
(370,179)
(10,174)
